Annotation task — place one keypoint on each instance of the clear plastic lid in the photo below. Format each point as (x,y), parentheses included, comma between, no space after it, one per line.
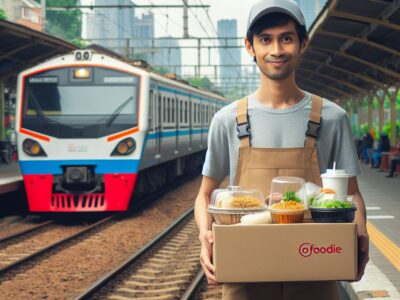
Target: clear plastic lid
(327,198)
(286,188)
(236,197)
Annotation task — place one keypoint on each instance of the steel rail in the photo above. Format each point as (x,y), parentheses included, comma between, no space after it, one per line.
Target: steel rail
(52,247)
(24,232)
(97,286)
(191,290)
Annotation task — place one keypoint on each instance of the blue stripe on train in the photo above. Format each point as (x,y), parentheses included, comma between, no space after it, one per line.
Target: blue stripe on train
(102,166)
(174,133)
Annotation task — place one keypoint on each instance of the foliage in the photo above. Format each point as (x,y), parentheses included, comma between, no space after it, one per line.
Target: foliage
(387,128)
(79,43)
(64,24)
(291,196)
(201,82)
(3,15)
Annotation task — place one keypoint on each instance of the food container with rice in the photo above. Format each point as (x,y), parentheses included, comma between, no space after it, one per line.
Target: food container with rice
(285,204)
(229,205)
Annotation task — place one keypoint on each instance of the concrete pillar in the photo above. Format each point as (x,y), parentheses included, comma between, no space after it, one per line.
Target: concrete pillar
(2,113)
(349,109)
(360,112)
(392,97)
(381,115)
(370,100)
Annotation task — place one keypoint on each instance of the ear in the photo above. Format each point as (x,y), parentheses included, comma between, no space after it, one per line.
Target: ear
(303,46)
(249,47)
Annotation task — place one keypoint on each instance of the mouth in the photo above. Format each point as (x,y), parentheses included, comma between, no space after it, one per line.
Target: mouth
(276,63)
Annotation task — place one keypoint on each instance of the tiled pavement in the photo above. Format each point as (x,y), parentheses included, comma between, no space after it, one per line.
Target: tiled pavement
(382,198)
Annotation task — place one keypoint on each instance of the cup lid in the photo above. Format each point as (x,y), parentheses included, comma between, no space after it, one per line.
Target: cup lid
(335,173)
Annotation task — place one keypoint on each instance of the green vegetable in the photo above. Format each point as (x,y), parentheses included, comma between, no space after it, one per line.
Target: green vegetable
(311,201)
(335,204)
(291,196)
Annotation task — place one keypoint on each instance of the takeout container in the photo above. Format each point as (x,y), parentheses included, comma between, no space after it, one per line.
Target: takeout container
(229,205)
(333,215)
(285,204)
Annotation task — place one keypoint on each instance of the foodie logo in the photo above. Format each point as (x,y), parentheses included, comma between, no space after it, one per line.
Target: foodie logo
(308,249)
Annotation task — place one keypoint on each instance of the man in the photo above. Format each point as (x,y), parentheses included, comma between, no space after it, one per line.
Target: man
(259,137)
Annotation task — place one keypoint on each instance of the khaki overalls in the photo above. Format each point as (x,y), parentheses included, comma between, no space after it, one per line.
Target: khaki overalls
(256,168)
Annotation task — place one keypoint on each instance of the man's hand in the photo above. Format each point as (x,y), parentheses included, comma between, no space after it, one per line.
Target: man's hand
(363,256)
(205,256)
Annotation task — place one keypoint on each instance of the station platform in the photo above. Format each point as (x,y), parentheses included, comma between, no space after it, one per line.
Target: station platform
(10,177)
(382,275)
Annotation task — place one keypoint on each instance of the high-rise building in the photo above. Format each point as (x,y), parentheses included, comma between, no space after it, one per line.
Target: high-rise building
(143,36)
(111,27)
(228,55)
(24,12)
(310,9)
(168,54)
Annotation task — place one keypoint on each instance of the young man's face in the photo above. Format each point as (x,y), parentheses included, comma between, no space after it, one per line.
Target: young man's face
(277,50)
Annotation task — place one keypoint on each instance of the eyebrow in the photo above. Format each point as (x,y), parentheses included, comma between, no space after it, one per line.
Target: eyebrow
(281,34)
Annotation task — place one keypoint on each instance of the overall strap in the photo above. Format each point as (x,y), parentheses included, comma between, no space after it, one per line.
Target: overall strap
(242,123)
(314,123)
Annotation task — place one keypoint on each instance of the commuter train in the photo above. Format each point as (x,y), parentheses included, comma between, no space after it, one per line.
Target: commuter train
(88,124)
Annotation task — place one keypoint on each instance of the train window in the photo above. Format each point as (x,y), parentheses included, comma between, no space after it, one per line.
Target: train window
(199,113)
(195,113)
(168,110)
(186,112)
(173,109)
(164,110)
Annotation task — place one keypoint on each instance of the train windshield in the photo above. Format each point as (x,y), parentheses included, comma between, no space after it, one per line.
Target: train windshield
(80,102)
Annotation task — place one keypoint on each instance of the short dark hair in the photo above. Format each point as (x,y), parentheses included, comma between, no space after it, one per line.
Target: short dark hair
(272,20)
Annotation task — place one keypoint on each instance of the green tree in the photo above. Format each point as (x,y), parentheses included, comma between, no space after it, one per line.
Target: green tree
(64,24)
(201,82)
(3,15)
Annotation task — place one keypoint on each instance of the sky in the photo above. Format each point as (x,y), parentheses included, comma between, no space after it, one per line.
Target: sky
(219,9)
(169,22)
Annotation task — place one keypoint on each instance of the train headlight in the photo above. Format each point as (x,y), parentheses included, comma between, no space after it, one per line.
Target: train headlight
(33,148)
(82,73)
(125,147)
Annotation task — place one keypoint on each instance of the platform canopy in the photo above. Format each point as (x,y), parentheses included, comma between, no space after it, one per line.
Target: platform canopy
(353,50)
(22,47)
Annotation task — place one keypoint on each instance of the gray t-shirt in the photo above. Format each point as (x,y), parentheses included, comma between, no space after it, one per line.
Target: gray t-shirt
(280,128)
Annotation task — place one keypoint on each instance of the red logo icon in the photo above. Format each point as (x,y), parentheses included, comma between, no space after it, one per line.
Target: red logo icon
(308,249)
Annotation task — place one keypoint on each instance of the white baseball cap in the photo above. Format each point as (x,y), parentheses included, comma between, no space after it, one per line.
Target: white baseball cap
(265,7)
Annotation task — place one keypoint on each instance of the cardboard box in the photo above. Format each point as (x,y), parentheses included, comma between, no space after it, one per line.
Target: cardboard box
(285,252)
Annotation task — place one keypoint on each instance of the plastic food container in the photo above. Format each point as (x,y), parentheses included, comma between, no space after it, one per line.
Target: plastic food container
(333,215)
(329,208)
(285,204)
(229,205)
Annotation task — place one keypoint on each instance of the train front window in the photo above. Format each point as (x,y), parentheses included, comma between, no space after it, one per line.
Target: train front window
(60,103)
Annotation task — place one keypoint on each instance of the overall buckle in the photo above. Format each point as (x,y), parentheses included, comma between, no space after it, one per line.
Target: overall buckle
(243,130)
(313,129)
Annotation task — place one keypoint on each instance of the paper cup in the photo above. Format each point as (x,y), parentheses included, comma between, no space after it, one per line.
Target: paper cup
(336,180)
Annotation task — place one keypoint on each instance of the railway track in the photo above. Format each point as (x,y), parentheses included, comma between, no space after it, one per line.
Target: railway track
(22,249)
(166,268)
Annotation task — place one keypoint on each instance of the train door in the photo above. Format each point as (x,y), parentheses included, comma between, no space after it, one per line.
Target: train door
(158,123)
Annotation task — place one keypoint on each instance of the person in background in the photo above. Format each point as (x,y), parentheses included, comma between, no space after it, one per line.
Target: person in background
(366,146)
(394,162)
(383,146)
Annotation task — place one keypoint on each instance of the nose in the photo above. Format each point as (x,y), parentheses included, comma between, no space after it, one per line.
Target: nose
(276,48)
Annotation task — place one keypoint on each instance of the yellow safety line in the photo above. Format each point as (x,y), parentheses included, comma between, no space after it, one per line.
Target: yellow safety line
(389,249)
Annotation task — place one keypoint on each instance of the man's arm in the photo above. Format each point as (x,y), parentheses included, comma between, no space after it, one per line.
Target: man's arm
(361,220)
(203,221)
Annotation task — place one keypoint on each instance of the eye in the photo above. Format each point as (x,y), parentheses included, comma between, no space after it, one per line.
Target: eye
(287,39)
(265,40)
